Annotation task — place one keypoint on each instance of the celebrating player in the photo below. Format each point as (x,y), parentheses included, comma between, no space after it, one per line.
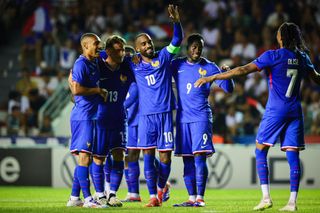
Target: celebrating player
(283,119)
(83,84)
(116,78)
(194,117)
(155,127)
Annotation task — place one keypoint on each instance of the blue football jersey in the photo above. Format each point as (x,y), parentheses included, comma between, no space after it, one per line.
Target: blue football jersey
(131,105)
(154,84)
(87,74)
(117,83)
(193,103)
(284,70)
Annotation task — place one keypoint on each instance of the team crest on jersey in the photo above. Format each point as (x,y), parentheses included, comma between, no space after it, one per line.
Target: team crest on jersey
(88,144)
(202,72)
(123,78)
(155,63)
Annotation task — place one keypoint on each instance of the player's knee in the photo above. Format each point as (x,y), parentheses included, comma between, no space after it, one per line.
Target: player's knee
(118,155)
(165,157)
(133,155)
(98,160)
(262,147)
(84,159)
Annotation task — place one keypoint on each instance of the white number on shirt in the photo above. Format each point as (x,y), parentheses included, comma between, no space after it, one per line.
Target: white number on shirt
(168,137)
(205,138)
(151,79)
(291,73)
(113,96)
(189,86)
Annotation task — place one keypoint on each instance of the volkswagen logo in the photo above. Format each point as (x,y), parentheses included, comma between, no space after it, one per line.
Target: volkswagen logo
(67,168)
(220,170)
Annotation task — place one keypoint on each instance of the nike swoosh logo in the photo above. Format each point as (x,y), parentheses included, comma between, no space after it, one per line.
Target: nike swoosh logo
(203,147)
(180,71)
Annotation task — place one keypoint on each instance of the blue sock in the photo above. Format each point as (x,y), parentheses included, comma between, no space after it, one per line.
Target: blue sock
(157,164)
(97,177)
(83,176)
(133,175)
(164,172)
(189,175)
(150,173)
(262,166)
(126,175)
(295,172)
(75,184)
(116,175)
(107,168)
(201,173)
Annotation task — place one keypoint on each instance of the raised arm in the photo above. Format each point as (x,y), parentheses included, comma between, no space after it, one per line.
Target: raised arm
(238,71)
(177,29)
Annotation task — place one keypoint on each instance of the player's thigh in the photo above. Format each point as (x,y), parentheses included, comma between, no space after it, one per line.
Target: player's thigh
(82,136)
(132,136)
(293,136)
(165,139)
(147,134)
(201,133)
(270,130)
(183,140)
(117,140)
(101,145)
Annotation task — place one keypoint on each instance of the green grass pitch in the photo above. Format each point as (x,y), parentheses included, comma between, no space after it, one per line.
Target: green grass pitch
(43,199)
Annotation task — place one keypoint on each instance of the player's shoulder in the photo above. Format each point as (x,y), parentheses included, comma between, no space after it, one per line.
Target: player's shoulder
(80,62)
(204,62)
(179,60)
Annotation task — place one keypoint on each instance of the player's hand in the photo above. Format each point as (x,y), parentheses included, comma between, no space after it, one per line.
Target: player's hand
(174,13)
(135,59)
(202,81)
(104,94)
(225,67)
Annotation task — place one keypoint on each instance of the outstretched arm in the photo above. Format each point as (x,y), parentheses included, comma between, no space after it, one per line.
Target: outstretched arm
(238,71)
(177,29)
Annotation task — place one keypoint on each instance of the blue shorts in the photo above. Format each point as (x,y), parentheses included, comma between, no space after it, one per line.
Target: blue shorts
(109,139)
(288,130)
(194,138)
(156,131)
(82,136)
(132,134)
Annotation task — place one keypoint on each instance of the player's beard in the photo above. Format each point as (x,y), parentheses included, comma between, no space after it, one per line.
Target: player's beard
(149,53)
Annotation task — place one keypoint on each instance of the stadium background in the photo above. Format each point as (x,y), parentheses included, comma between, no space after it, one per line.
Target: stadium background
(39,41)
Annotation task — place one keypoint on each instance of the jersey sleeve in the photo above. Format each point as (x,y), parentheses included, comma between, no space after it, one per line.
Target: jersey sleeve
(79,72)
(132,96)
(263,61)
(226,85)
(174,46)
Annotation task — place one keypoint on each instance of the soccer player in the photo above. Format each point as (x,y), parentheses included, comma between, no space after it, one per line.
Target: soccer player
(87,96)
(115,77)
(283,119)
(194,117)
(156,101)
(132,172)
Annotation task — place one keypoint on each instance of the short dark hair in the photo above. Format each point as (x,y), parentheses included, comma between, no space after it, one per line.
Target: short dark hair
(85,35)
(114,39)
(194,37)
(291,37)
(130,49)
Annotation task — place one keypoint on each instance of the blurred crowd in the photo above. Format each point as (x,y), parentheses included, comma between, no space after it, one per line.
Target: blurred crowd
(235,32)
